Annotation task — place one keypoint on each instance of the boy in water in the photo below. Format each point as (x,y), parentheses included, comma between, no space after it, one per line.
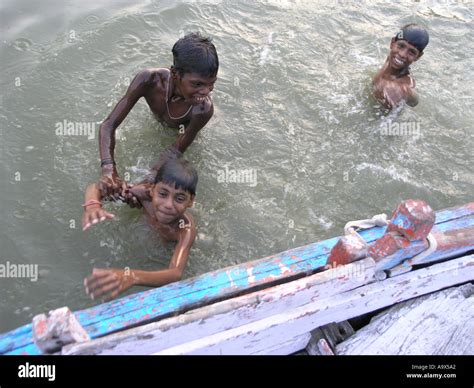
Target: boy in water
(178,97)
(164,204)
(393,84)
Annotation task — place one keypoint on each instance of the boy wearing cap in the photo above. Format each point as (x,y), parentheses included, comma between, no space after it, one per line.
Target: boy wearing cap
(393,84)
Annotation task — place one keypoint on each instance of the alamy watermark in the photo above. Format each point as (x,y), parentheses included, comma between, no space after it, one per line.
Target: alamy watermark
(243,176)
(76,128)
(404,128)
(337,271)
(12,270)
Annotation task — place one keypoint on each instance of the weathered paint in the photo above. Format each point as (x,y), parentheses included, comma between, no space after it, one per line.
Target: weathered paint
(413,219)
(230,313)
(258,335)
(60,327)
(348,249)
(184,295)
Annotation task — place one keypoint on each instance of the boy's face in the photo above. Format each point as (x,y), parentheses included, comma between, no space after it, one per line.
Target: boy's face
(195,87)
(170,203)
(402,54)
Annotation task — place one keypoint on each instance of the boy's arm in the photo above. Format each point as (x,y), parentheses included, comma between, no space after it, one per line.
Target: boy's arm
(93,212)
(109,283)
(178,262)
(412,99)
(202,113)
(110,183)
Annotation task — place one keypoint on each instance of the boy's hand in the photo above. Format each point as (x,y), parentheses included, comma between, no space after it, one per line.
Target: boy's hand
(107,283)
(110,183)
(131,195)
(135,195)
(93,214)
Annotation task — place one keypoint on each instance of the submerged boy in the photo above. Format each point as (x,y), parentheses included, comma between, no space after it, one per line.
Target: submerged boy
(393,84)
(178,97)
(164,205)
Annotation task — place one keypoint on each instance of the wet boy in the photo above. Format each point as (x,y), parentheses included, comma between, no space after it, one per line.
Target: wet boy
(178,97)
(393,84)
(164,204)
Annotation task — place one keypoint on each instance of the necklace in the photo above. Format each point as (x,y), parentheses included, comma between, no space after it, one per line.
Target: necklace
(167,107)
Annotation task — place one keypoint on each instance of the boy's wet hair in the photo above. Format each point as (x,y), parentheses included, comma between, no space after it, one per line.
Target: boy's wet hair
(178,173)
(195,53)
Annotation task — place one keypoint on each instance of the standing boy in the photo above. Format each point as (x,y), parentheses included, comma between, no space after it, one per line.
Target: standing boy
(178,96)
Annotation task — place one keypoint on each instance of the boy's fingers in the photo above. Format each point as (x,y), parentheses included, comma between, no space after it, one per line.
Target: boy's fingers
(97,273)
(90,280)
(97,283)
(106,289)
(102,272)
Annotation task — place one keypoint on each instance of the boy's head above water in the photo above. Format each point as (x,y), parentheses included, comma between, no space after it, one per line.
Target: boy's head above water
(195,66)
(415,35)
(407,46)
(174,190)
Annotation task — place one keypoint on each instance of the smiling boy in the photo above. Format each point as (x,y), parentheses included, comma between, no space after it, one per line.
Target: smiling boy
(178,97)
(164,205)
(393,84)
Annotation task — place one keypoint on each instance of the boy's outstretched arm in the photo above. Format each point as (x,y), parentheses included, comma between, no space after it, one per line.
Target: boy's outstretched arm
(110,183)
(93,212)
(109,283)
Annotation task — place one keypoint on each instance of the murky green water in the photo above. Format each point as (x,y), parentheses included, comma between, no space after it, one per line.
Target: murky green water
(291,104)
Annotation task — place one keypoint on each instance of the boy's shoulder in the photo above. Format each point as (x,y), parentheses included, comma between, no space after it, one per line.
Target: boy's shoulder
(153,74)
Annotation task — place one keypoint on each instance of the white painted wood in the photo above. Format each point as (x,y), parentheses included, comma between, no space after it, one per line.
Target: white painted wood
(252,337)
(437,324)
(287,347)
(230,313)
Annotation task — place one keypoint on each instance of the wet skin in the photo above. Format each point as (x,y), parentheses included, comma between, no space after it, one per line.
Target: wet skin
(392,85)
(190,108)
(164,207)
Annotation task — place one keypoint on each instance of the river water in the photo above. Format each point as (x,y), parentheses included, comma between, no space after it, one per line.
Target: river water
(292,108)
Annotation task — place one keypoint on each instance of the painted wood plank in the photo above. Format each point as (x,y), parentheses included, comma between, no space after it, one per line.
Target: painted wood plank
(142,307)
(230,313)
(441,323)
(258,335)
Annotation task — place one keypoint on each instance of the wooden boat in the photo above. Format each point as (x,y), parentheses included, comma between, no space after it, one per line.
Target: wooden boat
(272,305)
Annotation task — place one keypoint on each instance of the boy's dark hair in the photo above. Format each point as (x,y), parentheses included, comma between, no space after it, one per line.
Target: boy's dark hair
(180,173)
(195,54)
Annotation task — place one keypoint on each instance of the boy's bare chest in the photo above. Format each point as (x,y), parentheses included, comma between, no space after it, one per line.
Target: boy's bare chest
(166,232)
(173,114)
